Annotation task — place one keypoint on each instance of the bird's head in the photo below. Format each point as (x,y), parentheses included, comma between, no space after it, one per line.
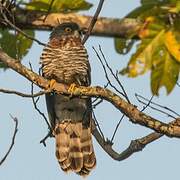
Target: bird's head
(68,29)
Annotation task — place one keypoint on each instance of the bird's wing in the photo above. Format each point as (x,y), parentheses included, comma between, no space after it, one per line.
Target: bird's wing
(50,109)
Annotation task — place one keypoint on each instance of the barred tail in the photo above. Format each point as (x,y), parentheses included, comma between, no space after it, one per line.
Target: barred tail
(74,148)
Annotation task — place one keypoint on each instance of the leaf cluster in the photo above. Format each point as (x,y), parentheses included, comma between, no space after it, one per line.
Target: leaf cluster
(158,43)
(15,44)
(64,6)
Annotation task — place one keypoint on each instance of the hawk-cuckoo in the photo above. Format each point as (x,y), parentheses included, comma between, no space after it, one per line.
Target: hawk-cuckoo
(65,60)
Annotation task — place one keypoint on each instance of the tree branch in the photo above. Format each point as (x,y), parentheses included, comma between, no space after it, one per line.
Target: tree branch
(40,93)
(93,21)
(131,111)
(110,27)
(135,145)
(13,140)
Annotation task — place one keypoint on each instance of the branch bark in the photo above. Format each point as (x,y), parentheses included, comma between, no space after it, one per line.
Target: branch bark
(131,111)
(108,27)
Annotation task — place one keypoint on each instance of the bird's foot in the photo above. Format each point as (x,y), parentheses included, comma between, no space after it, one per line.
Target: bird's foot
(71,89)
(51,84)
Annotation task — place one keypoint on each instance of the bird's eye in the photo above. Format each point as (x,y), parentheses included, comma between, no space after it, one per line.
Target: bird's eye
(68,30)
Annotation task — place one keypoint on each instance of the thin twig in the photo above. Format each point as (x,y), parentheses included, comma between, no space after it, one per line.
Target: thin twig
(109,82)
(106,74)
(40,93)
(13,140)
(37,109)
(43,141)
(49,9)
(6,8)
(117,126)
(115,76)
(97,103)
(97,124)
(93,21)
(148,104)
(40,70)
(156,104)
(35,103)
(94,102)
(156,109)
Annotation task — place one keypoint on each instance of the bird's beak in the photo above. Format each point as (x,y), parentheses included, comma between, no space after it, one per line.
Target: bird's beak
(77,34)
(84,30)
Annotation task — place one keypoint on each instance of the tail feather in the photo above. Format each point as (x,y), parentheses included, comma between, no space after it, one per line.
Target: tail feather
(65,165)
(74,149)
(86,141)
(75,154)
(62,145)
(87,149)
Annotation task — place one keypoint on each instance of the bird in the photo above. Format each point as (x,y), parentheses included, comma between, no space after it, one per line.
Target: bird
(65,60)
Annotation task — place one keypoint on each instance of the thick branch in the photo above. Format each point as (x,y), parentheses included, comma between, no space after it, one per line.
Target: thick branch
(131,111)
(110,27)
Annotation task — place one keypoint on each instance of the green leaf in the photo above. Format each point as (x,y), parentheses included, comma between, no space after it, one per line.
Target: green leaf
(59,5)
(16,46)
(139,11)
(141,61)
(24,44)
(158,8)
(178,6)
(154,2)
(122,45)
(177,24)
(158,2)
(38,5)
(72,5)
(7,43)
(147,9)
(165,71)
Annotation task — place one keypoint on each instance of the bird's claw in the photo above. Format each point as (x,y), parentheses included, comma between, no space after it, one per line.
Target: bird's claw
(71,89)
(51,84)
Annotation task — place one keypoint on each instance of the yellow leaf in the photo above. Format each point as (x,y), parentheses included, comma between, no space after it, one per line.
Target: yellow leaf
(141,61)
(173,10)
(144,31)
(172,45)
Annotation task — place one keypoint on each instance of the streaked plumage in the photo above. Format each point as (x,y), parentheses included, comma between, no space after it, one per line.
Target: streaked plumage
(65,59)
